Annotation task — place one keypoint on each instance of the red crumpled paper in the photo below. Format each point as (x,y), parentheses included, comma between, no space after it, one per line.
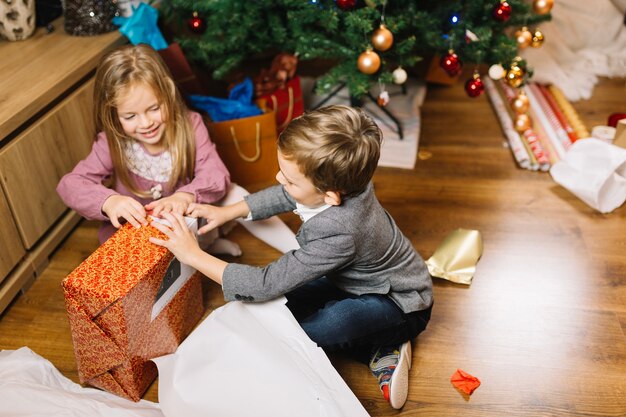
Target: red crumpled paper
(464,381)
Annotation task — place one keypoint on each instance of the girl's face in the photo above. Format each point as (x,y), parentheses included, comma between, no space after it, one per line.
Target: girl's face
(297,185)
(141,117)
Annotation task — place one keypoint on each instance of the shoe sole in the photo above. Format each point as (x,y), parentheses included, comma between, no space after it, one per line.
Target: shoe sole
(399,384)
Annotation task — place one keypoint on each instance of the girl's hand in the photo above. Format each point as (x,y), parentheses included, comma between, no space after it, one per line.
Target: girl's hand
(121,206)
(176,203)
(181,241)
(215,216)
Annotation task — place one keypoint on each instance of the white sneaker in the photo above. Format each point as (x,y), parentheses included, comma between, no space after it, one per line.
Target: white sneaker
(391,368)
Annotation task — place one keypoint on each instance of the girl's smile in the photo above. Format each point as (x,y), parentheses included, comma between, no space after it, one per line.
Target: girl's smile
(141,117)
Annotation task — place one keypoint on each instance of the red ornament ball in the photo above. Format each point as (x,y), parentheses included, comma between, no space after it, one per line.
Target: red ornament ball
(474,86)
(502,12)
(451,63)
(346,4)
(196,24)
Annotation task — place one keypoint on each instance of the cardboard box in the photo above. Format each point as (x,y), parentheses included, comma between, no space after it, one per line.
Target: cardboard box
(620,134)
(128,302)
(437,75)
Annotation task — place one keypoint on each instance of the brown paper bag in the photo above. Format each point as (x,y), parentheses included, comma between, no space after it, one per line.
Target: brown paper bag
(247,146)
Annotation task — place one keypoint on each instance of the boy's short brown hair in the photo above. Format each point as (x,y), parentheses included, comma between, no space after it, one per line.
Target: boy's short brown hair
(336,147)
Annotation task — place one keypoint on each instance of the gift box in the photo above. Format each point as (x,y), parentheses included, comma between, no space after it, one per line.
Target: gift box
(286,102)
(128,302)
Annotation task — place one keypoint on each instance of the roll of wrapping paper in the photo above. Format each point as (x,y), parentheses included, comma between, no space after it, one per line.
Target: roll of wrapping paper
(537,114)
(456,257)
(552,119)
(506,94)
(534,164)
(547,95)
(512,137)
(568,110)
(529,136)
(552,155)
(536,147)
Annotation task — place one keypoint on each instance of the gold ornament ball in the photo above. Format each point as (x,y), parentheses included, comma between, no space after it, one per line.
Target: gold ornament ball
(521,103)
(382,39)
(542,6)
(522,123)
(523,37)
(368,62)
(515,76)
(537,39)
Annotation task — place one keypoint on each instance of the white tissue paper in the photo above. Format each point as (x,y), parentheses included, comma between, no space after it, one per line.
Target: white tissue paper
(595,172)
(252,359)
(31,386)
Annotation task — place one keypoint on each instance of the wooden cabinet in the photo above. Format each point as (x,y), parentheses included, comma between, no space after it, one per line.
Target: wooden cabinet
(46,127)
(34,162)
(11,249)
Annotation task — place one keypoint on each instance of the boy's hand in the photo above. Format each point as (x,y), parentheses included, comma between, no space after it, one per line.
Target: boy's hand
(176,203)
(181,241)
(121,206)
(215,216)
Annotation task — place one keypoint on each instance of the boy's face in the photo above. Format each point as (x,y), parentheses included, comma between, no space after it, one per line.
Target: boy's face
(297,185)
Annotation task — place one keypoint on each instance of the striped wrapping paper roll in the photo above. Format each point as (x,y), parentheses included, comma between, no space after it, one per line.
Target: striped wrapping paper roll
(561,134)
(513,138)
(549,150)
(537,149)
(557,112)
(529,136)
(539,116)
(569,112)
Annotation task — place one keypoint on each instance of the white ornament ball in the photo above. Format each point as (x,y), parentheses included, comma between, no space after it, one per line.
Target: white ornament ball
(399,75)
(496,72)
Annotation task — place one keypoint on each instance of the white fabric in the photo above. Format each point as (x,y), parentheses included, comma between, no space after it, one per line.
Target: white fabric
(306,213)
(595,172)
(584,40)
(31,386)
(252,359)
(271,231)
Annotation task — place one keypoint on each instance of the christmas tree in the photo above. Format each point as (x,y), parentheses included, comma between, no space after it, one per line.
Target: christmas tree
(368,41)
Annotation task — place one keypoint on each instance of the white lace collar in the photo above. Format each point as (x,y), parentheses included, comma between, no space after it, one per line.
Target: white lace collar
(156,168)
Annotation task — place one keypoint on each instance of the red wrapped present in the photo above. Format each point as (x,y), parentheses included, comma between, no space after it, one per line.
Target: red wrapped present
(128,302)
(180,69)
(286,102)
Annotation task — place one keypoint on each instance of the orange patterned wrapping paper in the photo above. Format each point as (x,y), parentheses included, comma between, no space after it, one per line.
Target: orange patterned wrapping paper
(110,301)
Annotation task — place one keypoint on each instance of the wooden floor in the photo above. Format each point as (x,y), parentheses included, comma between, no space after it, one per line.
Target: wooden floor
(543,323)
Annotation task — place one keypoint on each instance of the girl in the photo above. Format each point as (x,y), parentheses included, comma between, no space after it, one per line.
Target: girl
(153,153)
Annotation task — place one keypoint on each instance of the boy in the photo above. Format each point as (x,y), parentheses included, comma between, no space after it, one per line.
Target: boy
(356,284)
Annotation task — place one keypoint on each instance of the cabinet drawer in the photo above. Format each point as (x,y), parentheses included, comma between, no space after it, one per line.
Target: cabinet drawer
(33,163)
(11,248)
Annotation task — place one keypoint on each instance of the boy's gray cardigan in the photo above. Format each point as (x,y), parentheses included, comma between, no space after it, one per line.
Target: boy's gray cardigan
(357,245)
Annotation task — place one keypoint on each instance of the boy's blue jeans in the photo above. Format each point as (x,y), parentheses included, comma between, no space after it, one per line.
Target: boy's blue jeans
(358,325)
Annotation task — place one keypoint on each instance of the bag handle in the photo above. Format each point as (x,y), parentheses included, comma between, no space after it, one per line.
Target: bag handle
(258,144)
(289,109)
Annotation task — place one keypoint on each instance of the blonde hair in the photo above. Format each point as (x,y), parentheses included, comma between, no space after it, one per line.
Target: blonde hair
(118,71)
(336,147)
